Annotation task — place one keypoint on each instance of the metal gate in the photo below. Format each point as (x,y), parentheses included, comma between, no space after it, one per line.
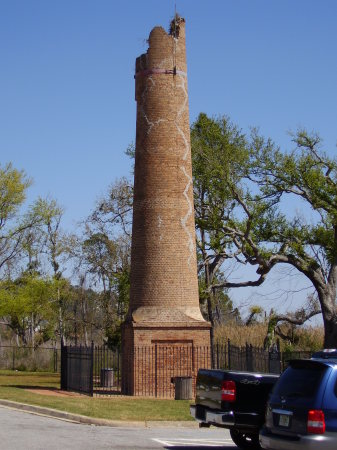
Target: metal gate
(77,369)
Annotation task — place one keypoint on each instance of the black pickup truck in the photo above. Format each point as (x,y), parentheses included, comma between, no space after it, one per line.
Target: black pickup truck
(234,400)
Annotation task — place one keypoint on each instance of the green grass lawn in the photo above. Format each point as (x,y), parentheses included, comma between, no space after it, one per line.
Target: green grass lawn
(13,386)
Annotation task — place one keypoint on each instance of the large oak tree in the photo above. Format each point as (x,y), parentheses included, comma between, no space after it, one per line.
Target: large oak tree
(242,189)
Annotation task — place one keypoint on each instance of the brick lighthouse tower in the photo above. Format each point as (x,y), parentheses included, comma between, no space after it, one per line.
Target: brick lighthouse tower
(164,315)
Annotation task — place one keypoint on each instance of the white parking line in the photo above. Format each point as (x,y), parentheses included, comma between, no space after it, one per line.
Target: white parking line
(199,442)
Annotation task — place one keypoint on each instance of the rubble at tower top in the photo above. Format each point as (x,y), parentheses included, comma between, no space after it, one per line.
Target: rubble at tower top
(175,25)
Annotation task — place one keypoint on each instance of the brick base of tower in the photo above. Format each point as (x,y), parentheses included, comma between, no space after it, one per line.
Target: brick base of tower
(153,354)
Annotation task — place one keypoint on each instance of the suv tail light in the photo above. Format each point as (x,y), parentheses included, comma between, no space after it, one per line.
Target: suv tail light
(228,391)
(316,422)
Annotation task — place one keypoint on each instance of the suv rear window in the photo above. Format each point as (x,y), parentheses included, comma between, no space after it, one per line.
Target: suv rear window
(301,379)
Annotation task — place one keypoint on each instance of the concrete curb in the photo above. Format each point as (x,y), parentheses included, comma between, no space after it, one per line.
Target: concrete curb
(77,418)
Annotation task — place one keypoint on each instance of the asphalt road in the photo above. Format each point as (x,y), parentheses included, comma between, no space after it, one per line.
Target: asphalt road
(24,431)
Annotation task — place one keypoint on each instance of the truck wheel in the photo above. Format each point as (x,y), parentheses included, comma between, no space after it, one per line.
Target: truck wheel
(245,441)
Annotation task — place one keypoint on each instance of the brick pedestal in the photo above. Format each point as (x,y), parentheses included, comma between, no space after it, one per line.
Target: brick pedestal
(154,354)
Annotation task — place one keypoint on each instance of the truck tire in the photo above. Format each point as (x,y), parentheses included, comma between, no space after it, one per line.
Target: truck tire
(245,441)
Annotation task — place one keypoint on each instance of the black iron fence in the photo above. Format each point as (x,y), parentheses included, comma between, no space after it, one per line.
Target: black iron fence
(91,370)
(106,370)
(247,358)
(96,370)
(41,359)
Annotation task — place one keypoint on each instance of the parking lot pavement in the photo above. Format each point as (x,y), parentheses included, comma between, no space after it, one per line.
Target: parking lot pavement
(197,442)
(21,430)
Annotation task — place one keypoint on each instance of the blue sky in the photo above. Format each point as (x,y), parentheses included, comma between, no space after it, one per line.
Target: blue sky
(67,109)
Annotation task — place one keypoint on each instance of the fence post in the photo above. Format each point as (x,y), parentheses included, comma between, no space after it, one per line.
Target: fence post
(280,355)
(91,374)
(55,360)
(229,354)
(118,368)
(274,360)
(156,369)
(251,359)
(64,367)
(13,365)
(247,357)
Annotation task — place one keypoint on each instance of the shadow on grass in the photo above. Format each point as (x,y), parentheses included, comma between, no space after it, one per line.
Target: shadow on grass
(29,386)
(96,393)
(102,393)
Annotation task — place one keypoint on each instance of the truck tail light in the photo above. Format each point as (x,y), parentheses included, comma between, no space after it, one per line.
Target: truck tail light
(316,422)
(228,391)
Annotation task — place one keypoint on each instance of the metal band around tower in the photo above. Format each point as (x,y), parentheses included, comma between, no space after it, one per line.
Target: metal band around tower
(145,73)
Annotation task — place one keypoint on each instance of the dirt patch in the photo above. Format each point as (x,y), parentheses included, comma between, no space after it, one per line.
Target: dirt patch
(54,392)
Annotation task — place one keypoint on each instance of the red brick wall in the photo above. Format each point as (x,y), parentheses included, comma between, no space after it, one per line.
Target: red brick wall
(153,356)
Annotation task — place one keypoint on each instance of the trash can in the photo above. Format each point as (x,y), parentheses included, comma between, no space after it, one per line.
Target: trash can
(182,388)
(107,377)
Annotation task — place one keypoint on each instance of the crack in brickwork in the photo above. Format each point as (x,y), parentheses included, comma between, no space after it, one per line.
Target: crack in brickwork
(190,241)
(147,89)
(189,185)
(185,102)
(159,226)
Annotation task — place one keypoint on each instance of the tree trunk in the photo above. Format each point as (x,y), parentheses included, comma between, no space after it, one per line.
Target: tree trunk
(327,299)
(84,320)
(211,319)
(32,330)
(330,332)
(210,313)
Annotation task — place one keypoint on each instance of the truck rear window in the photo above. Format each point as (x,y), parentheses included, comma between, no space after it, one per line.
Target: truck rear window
(300,381)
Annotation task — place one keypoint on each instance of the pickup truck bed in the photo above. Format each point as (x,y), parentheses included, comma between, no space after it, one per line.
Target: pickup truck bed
(234,400)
